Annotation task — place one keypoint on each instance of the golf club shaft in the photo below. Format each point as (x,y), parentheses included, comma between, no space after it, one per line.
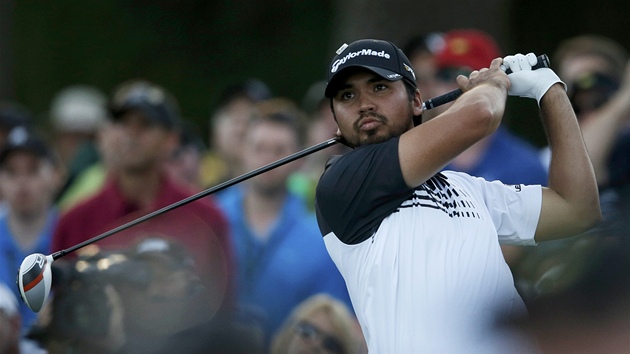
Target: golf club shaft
(206,192)
(434,102)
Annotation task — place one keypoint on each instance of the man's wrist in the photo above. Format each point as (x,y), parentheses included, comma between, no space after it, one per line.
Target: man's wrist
(555,92)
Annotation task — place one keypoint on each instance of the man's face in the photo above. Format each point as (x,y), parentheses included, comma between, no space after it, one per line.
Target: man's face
(572,68)
(265,143)
(230,129)
(28,182)
(589,82)
(424,67)
(370,109)
(137,144)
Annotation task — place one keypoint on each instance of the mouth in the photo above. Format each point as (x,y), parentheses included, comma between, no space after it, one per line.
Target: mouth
(368,123)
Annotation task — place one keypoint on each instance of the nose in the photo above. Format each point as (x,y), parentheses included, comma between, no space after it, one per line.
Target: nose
(366,104)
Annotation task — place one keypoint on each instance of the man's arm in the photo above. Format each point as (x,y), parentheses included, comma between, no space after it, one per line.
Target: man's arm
(427,148)
(571,203)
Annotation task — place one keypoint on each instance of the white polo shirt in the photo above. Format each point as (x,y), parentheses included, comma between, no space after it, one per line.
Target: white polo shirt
(423,266)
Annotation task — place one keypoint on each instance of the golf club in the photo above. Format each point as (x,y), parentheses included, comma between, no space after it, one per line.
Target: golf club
(34,278)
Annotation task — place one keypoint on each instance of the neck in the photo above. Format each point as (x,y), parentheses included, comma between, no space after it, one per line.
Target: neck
(140,188)
(262,210)
(26,227)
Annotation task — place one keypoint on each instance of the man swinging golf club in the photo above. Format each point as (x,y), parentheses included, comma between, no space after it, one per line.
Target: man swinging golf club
(419,247)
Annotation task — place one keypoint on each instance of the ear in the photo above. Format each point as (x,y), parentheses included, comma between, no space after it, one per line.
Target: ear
(417,103)
(341,139)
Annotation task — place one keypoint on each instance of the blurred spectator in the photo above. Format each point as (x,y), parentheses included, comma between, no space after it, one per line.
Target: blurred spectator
(29,179)
(133,301)
(281,258)
(583,301)
(228,126)
(85,313)
(420,51)
(152,308)
(11,339)
(12,115)
(155,307)
(142,134)
(321,126)
(91,179)
(185,162)
(77,113)
(596,72)
(319,324)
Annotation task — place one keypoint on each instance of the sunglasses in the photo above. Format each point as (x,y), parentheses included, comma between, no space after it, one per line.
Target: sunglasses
(308,331)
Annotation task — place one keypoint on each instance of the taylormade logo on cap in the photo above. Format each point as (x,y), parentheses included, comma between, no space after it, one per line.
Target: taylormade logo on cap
(365,51)
(381,57)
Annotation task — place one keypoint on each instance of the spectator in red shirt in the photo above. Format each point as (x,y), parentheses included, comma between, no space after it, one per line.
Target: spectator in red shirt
(143,130)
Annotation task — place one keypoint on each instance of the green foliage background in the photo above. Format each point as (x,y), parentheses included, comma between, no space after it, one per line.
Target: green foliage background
(193,48)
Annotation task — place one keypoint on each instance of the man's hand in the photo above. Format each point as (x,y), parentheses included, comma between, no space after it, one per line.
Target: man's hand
(493,75)
(526,82)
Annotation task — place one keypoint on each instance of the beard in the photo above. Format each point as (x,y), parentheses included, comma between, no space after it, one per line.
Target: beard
(383,132)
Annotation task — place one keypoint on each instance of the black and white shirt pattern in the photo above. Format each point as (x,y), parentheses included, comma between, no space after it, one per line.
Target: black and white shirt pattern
(423,265)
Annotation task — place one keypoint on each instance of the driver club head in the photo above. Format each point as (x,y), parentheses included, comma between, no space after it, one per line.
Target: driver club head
(34,280)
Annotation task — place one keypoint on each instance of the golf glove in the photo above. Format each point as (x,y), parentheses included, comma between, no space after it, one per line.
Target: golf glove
(525,82)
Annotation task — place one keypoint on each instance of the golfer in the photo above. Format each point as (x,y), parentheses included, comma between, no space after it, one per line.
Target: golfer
(419,247)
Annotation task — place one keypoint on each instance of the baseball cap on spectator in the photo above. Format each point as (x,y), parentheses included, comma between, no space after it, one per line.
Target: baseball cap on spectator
(466,50)
(168,252)
(159,106)
(380,57)
(20,138)
(13,115)
(78,108)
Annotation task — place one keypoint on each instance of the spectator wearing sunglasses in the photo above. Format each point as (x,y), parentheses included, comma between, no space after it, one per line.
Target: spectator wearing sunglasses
(320,324)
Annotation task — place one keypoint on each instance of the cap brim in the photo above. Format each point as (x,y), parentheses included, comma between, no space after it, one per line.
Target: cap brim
(119,110)
(31,148)
(332,86)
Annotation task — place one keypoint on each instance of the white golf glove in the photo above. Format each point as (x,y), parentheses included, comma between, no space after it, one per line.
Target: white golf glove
(525,82)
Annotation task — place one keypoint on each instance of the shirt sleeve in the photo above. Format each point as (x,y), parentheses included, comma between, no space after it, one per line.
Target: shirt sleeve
(514,209)
(360,189)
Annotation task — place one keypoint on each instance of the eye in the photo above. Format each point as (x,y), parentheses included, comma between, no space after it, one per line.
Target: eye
(345,95)
(380,87)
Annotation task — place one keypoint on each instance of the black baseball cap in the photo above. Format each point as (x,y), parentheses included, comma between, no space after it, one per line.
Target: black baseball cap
(20,138)
(157,104)
(381,57)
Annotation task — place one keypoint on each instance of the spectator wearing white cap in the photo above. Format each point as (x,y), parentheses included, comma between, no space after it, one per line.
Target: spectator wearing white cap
(77,112)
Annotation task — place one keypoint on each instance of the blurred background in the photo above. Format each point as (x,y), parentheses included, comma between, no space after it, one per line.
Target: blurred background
(197,47)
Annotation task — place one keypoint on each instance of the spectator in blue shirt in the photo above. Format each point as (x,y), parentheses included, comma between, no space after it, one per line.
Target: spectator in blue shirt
(29,179)
(281,259)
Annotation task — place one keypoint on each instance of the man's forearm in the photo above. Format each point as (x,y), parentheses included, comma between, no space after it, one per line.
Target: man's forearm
(571,173)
